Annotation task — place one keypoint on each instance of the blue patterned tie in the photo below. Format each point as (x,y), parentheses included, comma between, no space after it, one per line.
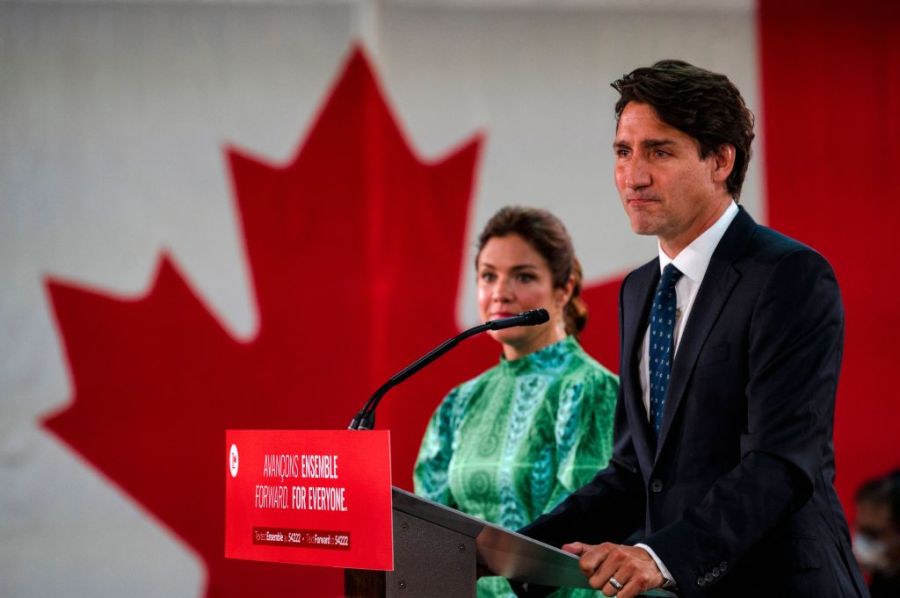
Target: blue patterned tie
(662,345)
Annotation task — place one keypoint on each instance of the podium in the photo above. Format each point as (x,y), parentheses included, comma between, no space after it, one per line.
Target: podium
(323,498)
(437,551)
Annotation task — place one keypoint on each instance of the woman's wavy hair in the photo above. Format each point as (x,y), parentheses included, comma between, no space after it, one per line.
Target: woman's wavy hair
(546,233)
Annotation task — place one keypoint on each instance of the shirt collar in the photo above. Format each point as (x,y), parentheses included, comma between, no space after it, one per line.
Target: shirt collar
(694,259)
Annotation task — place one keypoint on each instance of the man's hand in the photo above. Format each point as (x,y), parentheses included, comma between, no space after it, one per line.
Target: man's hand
(632,568)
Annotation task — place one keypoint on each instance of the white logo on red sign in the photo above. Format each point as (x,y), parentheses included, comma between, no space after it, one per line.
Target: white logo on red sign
(233,460)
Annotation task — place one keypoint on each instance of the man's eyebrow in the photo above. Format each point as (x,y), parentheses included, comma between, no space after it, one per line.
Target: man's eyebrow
(647,143)
(657,143)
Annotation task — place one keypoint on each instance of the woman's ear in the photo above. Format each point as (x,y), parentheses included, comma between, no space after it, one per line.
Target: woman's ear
(564,294)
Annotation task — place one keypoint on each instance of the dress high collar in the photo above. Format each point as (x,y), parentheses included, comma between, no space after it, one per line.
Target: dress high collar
(552,357)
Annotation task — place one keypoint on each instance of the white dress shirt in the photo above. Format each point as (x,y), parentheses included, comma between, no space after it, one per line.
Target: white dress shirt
(692,262)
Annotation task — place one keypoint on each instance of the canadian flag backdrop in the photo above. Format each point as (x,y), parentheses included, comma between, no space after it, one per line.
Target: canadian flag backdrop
(249,214)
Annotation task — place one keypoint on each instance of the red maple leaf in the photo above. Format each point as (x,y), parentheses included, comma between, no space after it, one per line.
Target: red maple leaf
(354,249)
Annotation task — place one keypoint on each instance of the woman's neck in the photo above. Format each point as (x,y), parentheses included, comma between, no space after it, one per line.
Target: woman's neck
(554,335)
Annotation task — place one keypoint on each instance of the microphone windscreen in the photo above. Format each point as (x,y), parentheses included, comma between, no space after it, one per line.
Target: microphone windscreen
(536,316)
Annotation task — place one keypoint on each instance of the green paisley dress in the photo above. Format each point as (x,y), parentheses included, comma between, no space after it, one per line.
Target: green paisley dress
(512,443)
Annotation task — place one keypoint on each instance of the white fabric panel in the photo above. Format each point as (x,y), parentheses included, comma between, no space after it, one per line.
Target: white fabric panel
(114,119)
(537,84)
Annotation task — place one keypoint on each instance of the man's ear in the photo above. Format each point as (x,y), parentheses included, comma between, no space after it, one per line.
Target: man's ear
(723,162)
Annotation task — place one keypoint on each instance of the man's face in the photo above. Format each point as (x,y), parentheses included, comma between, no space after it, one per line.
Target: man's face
(877,539)
(666,188)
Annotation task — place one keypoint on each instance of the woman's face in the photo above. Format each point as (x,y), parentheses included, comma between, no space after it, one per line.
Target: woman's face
(513,277)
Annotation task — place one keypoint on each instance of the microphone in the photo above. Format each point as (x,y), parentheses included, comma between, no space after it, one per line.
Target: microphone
(532,317)
(365,419)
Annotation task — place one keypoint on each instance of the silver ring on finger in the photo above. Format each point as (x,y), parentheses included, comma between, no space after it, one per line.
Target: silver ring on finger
(615,583)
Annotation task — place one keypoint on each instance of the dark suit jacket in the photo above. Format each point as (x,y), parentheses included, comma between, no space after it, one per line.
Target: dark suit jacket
(736,497)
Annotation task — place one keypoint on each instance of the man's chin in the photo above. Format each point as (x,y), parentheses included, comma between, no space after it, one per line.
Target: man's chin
(641,226)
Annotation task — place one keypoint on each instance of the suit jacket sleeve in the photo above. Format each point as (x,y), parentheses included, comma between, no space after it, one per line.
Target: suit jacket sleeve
(793,360)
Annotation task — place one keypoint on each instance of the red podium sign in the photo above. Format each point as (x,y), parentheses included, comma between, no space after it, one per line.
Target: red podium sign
(312,497)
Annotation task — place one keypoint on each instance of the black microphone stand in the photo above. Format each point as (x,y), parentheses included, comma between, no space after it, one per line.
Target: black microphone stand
(365,419)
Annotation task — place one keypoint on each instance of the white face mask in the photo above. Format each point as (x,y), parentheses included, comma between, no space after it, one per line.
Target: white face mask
(871,554)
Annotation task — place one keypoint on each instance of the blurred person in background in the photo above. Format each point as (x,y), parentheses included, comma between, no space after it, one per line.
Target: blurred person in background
(876,541)
(513,442)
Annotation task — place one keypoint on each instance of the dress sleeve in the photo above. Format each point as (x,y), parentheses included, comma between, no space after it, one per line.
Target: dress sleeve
(583,431)
(430,475)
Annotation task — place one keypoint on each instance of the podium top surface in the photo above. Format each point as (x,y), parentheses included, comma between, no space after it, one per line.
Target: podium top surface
(503,552)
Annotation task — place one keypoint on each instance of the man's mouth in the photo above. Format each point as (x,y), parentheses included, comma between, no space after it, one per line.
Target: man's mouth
(640,202)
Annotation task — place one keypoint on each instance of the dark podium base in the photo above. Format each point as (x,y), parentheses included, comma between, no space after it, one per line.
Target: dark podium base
(429,560)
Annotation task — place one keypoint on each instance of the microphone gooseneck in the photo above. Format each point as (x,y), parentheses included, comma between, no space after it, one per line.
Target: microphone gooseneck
(365,419)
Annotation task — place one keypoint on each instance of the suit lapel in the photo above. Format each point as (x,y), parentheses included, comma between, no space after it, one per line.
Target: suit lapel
(717,285)
(637,299)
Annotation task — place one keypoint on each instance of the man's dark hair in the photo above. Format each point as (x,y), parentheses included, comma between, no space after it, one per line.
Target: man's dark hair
(705,105)
(884,490)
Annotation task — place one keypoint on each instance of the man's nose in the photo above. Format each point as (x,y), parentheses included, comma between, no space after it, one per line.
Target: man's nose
(637,175)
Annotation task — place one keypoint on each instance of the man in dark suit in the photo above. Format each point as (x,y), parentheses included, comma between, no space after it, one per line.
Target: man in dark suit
(721,482)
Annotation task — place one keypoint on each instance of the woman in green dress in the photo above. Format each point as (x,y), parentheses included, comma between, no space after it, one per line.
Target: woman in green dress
(510,444)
